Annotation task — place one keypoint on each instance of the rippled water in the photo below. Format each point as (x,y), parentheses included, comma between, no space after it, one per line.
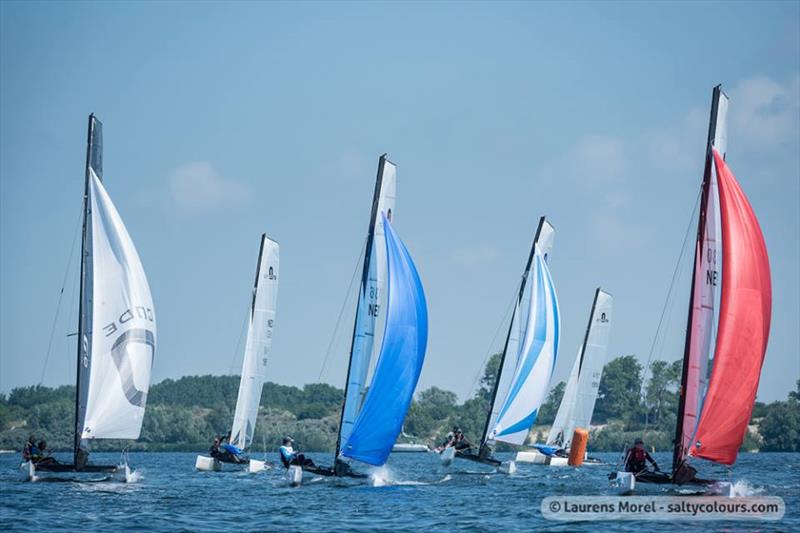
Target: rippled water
(419,494)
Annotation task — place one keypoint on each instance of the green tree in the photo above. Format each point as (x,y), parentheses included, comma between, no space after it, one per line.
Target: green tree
(547,413)
(780,428)
(620,389)
(661,396)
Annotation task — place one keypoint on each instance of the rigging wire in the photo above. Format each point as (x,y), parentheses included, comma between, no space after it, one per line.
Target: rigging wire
(61,296)
(489,353)
(666,309)
(341,311)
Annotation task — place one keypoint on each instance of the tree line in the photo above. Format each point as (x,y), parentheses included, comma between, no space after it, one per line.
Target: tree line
(185,414)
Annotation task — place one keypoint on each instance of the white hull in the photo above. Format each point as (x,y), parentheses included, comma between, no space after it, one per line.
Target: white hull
(255,466)
(294,476)
(410,448)
(207,464)
(537,458)
(447,455)
(624,483)
(124,474)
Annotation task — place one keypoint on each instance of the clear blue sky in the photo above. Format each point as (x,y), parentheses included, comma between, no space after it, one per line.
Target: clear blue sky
(226,120)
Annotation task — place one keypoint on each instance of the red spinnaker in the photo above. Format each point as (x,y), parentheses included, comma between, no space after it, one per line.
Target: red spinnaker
(746,308)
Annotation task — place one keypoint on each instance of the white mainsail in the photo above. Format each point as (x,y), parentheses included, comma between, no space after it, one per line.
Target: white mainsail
(257,345)
(121,338)
(369,297)
(577,405)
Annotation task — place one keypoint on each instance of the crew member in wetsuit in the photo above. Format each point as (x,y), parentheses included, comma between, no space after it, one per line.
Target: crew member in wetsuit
(290,457)
(30,451)
(228,453)
(460,442)
(636,457)
(44,458)
(214,451)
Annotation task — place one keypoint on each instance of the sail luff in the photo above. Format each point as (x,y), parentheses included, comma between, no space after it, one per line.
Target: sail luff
(493,407)
(94,150)
(701,300)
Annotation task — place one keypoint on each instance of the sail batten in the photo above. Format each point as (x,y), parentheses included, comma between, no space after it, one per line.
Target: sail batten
(259,341)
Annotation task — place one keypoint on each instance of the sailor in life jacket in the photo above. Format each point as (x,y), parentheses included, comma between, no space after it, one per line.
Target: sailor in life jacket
(290,457)
(636,457)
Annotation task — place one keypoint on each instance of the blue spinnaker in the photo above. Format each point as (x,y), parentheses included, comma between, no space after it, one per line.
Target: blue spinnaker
(399,364)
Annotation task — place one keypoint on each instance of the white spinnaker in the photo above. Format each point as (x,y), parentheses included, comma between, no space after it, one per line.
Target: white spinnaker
(369,309)
(544,240)
(123,334)
(558,435)
(538,352)
(258,344)
(708,279)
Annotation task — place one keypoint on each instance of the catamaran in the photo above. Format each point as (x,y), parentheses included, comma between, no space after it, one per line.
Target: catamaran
(713,413)
(580,393)
(532,341)
(116,331)
(261,322)
(372,416)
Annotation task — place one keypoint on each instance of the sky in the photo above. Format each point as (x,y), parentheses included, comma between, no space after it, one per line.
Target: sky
(226,120)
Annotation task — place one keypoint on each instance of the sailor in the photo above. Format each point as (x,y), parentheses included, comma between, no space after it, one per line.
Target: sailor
(636,457)
(214,451)
(448,440)
(30,452)
(231,453)
(44,457)
(460,442)
(290,457)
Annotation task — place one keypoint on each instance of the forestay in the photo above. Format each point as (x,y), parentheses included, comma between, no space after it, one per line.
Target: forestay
(257,345)
(400,361)
(537,357)
(121,339)
(369,297)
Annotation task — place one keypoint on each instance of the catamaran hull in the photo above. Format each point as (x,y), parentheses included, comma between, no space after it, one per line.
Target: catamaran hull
(538,458)
(447,455)
(29,471)
(628,483)
(207,464)
(294,476)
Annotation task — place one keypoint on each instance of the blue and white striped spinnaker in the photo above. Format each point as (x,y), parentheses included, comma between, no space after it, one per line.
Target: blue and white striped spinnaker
(536,358)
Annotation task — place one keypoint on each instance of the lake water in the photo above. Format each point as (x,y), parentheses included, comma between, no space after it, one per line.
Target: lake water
(420,495)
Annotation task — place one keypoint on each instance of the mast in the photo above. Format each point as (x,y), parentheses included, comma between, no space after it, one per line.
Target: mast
(588,330)
(83,350)
(364,280)
(508,335)
(678,452)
